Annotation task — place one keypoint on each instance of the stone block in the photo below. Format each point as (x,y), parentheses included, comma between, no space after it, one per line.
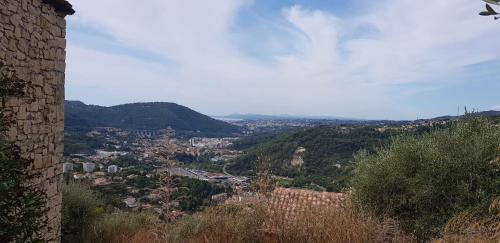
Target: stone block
(22,113)
(12,44)
(23,45)
(51,189)
(12,102)
(38,162)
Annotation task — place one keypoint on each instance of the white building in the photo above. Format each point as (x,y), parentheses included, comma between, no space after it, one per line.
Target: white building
(112,169)
(105,154)
(67,167)
(88,167)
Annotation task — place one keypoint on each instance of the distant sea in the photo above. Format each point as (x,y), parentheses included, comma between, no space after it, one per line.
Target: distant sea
(227,119)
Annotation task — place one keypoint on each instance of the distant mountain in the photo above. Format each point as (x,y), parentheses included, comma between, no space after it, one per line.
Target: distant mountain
(259,117)
(144,116)
(491,113)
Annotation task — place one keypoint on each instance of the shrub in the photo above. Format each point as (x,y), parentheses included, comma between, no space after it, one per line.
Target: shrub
(80,208)
(478,225)
(344,224)
(240,223)
(227,223)
(21,207)
(193,194)
(85,220)
(425,180)
(120,227)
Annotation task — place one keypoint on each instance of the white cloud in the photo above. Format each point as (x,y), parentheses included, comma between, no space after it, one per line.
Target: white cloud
(325,74)
(422,41)
(122,77)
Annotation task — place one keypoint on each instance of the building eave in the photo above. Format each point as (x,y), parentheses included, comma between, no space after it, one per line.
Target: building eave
(61,6)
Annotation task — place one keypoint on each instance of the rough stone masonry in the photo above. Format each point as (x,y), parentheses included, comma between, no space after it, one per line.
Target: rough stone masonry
(32,46)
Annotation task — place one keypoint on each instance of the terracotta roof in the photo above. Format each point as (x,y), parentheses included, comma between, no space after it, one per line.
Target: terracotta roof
(61,6)
(290,203)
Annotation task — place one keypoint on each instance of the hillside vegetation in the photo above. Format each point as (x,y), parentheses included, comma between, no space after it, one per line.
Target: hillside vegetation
(426,180)
(225,223)
(328,157)
(144,116)
(440,186)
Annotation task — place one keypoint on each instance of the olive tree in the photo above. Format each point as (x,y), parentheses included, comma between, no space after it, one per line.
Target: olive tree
(424,180)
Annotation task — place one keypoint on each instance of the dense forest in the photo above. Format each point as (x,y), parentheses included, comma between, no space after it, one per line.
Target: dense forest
(328,157)
(330,151)
(145,116)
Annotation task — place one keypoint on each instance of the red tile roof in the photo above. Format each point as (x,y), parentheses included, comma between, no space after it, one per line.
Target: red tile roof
(288,204)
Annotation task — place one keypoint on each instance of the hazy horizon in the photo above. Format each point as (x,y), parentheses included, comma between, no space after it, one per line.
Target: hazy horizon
(357,59)
(459,111)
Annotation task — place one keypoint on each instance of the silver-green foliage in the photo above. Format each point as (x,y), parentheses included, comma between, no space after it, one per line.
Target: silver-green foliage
(81,208)
(425,180)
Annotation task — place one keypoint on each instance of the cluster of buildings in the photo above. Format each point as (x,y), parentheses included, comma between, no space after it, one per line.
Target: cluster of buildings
(216,178)
(252,126)
(211,142)
(126,158)
(98,174)
(412,126)
(226,156)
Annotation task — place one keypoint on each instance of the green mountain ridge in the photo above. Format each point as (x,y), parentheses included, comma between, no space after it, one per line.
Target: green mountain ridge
(145,116)
(260,117)
(328,157)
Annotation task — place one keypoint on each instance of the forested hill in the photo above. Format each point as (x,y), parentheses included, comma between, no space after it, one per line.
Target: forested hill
(328,156)
(144,116)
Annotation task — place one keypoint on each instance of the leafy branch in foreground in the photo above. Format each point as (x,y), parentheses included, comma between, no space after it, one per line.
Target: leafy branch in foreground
(21,207)
(11,86)
(489,10)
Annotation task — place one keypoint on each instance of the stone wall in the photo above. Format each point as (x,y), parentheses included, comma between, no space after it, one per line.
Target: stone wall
(32,46)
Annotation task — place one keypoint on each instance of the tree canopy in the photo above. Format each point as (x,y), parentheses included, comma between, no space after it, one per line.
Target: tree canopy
(424,180)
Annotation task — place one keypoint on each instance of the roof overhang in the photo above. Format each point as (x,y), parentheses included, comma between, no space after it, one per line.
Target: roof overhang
(61,6)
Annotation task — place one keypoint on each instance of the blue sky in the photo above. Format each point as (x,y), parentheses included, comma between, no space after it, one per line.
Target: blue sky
(387,59)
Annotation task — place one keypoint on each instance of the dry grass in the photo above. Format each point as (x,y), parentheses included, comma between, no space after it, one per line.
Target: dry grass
(116,228)
(344,224)
(231,223)
(468,227)
(254,223)
(228,223)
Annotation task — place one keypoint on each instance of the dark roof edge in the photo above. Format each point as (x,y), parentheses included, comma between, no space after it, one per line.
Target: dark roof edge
(61,6)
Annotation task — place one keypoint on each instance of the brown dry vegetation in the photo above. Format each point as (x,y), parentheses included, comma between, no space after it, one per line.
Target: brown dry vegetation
(254,223)
(344,224)
(236,223)
(122,227)
(470,227)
